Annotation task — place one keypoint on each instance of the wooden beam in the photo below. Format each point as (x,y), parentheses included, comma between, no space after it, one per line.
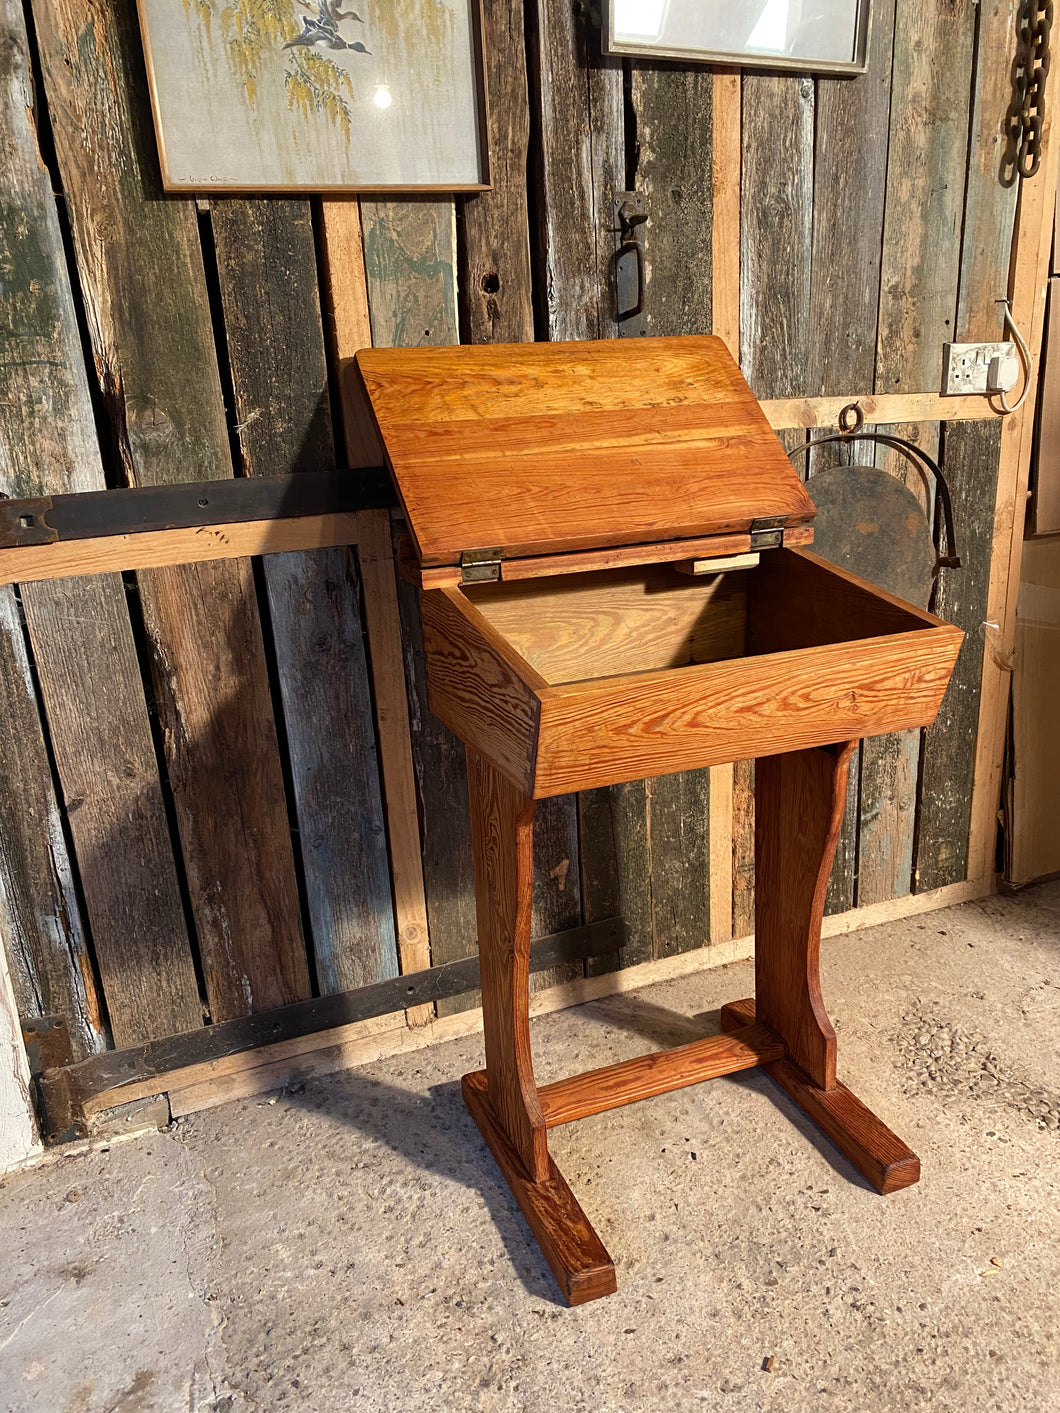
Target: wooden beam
(155,548)
(265,1068)
(1027,290)
(73,1093)
(810,412)
(658,1072)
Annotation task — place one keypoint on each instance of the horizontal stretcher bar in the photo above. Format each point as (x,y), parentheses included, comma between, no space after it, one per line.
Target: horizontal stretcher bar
(658,1073)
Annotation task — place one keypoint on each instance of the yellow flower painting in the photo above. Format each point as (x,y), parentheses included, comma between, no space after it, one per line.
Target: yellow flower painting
(316,95)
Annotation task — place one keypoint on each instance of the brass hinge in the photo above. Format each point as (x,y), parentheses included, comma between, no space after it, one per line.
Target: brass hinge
(767,532)
(480,566)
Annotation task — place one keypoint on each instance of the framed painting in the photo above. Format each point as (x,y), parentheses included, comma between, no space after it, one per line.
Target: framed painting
(317,95)
(817,36)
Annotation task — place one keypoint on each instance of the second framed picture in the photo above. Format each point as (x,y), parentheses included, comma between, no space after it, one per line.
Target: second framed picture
(317,95)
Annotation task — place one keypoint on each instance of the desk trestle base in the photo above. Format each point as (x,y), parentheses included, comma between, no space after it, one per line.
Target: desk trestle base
(785,1029)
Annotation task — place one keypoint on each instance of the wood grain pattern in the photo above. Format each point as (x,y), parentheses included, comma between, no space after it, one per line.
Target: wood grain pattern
(673,109)
(574,1252)
(579,166)
(102,744)
(989,206)
(502,846)
(927,158)
(159,376)
(157,548)
(725,201)
(49,444)
(624,728)
(880,1156)
(552,474)
(495,249)
(812,412)
(645,1076)
(775,233)
(799,803)
(619,620)
(1033,242)
(743,848)
(849,183)
(475,688)
(971,454)
(267,272)
(410,267)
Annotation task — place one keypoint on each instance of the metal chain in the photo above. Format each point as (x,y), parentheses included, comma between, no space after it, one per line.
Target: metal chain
(1031,71)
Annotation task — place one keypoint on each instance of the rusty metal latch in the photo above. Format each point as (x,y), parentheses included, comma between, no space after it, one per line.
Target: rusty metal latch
(767,532)
(22,522)
(481,566)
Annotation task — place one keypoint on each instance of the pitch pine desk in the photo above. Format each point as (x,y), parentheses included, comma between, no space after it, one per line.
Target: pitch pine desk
(615,584)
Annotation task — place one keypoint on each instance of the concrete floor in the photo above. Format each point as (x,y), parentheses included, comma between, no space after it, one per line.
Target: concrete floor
(353,1247)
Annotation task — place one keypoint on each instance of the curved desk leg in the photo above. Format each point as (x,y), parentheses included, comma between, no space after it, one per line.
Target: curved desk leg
(799,801)
(503,1098)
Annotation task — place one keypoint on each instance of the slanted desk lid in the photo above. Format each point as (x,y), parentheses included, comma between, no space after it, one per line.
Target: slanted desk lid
(536,449)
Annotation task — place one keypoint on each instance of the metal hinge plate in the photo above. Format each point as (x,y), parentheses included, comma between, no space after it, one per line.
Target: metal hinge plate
(767,532)
(22,522)
(481,566)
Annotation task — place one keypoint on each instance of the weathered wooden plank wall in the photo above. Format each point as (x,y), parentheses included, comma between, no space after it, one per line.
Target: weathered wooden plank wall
(205,808)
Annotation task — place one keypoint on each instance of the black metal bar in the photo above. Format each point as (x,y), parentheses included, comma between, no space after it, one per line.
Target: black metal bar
(63,1092)
(87,515)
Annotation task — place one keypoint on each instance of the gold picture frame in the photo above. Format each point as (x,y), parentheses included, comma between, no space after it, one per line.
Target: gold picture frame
(317,96)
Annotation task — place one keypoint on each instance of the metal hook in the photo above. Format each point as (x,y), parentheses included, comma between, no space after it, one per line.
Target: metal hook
(848,428)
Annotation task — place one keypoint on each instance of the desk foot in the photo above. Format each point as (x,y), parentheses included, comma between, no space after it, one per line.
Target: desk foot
(881,1157)
(569,1244)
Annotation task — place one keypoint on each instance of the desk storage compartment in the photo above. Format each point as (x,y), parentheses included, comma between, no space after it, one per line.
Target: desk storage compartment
(574,681)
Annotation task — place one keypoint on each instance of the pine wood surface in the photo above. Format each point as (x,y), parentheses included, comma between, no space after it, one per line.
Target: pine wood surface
(624,621)
(547,447)
(154,549)
(502,847)
(623,728)
(659,1072)
(880,1156)
(574,1252)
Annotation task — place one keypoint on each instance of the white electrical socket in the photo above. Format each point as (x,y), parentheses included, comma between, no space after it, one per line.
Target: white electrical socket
(979,368)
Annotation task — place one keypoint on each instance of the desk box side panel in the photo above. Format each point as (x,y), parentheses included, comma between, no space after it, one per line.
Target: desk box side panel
(476,691)
(623,728)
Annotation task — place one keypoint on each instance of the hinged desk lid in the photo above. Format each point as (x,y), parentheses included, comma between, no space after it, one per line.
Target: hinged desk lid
(532,449)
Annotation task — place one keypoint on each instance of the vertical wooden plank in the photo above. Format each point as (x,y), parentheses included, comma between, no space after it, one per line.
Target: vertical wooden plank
(145,293)
(920,274)
(926,166)
(674,112)
(267,271)
(970,460)
(890,765)
(743,848)
(1027,288)
(410,259)
(989,207)
(849,182)
(776,233)
(494,249)
(581,165)
(726,163)
(498,305)
(106,761)
(349,326)
(47,442)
